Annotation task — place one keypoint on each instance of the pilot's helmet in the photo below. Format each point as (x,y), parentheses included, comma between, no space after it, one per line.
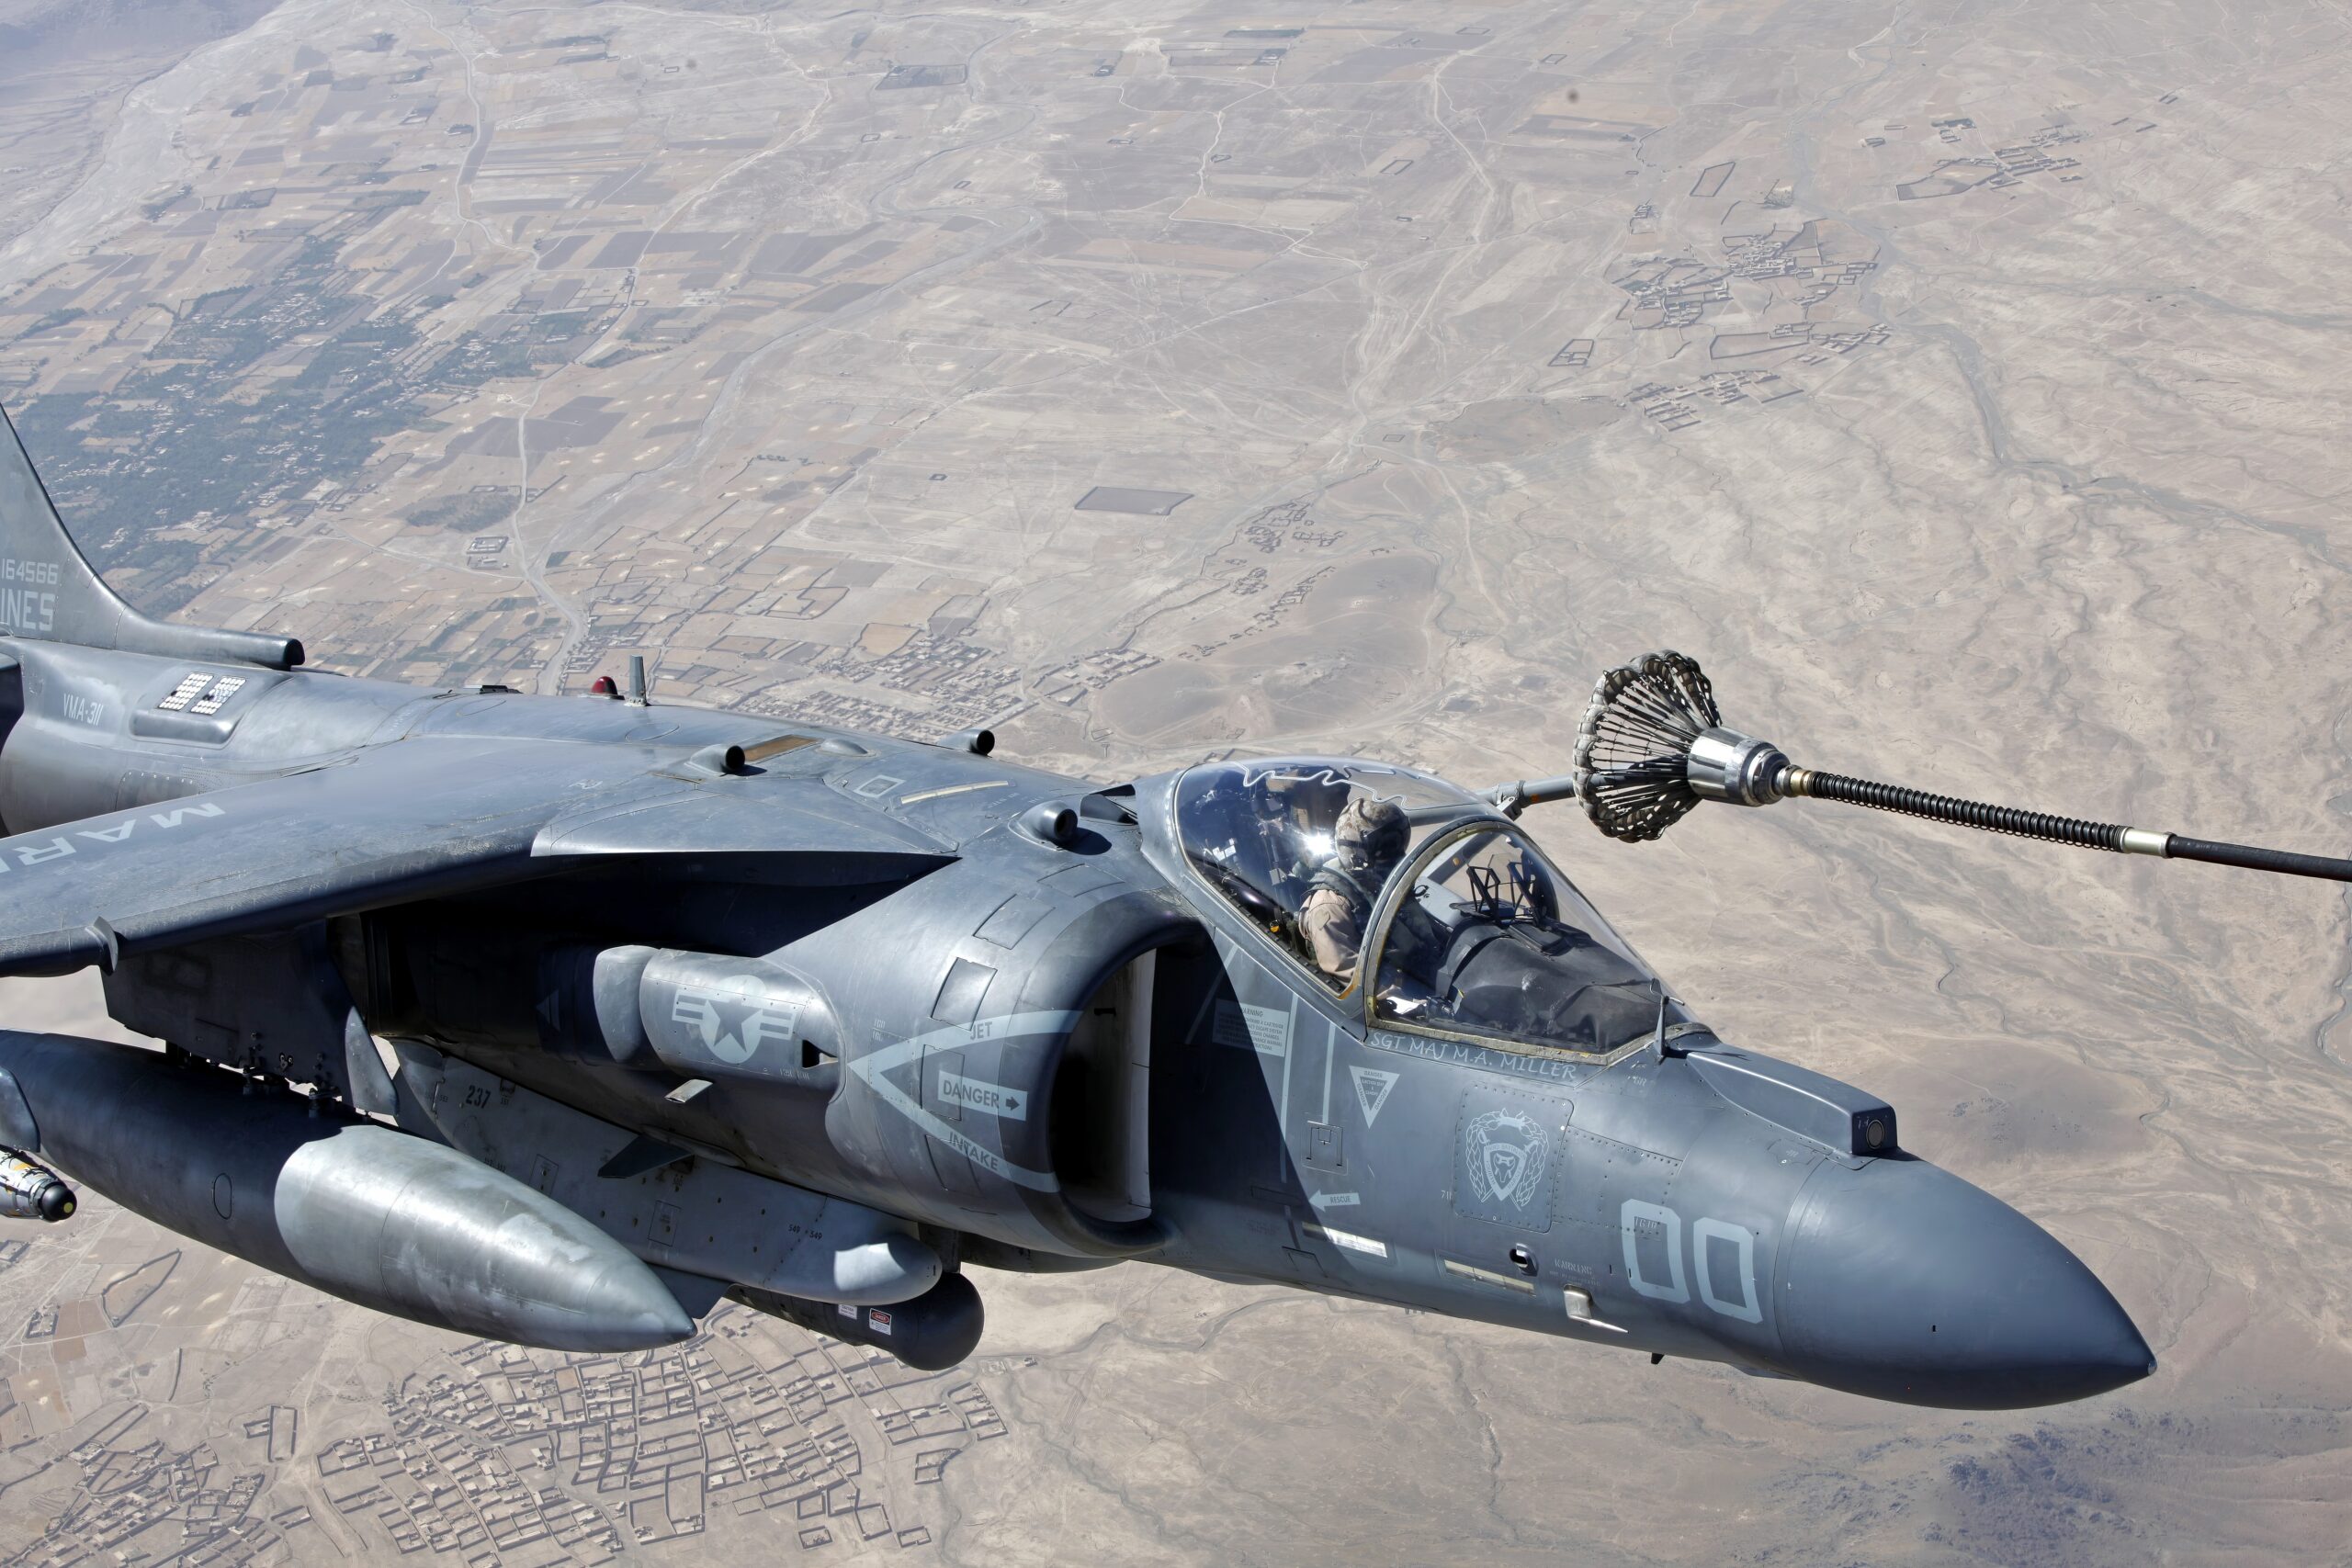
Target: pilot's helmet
(1370,832)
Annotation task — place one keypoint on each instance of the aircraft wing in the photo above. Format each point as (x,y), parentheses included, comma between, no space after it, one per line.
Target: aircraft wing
(813,837)
(411,819)
(400,821)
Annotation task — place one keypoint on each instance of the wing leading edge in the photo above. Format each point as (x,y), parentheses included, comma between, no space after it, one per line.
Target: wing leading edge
(416,818)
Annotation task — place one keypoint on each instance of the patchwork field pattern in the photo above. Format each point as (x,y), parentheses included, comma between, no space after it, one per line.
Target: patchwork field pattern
(1165,382)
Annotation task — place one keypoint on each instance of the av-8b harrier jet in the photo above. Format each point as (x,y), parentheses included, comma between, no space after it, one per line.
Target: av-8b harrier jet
(558,1020)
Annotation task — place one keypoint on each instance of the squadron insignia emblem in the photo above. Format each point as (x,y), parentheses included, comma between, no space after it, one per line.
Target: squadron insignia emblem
(1507,1154)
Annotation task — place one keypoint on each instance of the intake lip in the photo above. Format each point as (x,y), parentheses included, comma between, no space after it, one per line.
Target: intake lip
(1901,1282)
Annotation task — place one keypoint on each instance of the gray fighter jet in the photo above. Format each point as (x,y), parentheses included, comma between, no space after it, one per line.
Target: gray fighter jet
(558,1020)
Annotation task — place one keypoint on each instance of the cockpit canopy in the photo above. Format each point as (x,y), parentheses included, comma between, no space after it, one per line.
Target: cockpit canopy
(1472,931)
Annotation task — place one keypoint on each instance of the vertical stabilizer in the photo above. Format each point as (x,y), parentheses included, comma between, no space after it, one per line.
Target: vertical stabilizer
(49,591)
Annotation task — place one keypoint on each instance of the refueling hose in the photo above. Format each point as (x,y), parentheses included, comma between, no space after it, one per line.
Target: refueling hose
(1652,746)
(2112,836)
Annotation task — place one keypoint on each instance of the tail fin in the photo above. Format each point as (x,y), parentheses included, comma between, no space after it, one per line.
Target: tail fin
(49,591)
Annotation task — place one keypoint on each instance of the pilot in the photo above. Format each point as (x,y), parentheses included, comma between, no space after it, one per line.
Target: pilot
(1367,842)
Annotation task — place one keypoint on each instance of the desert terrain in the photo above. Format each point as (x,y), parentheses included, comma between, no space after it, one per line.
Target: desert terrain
(1161,381)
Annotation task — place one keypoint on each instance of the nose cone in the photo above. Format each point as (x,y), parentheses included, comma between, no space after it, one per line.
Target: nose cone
(1903,1282)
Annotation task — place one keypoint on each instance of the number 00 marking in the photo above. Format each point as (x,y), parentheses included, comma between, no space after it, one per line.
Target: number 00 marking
(1633,1214)
(1628,1223)
(1703,1231)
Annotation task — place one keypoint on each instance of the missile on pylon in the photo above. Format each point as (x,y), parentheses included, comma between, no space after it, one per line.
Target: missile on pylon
(30,1190)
